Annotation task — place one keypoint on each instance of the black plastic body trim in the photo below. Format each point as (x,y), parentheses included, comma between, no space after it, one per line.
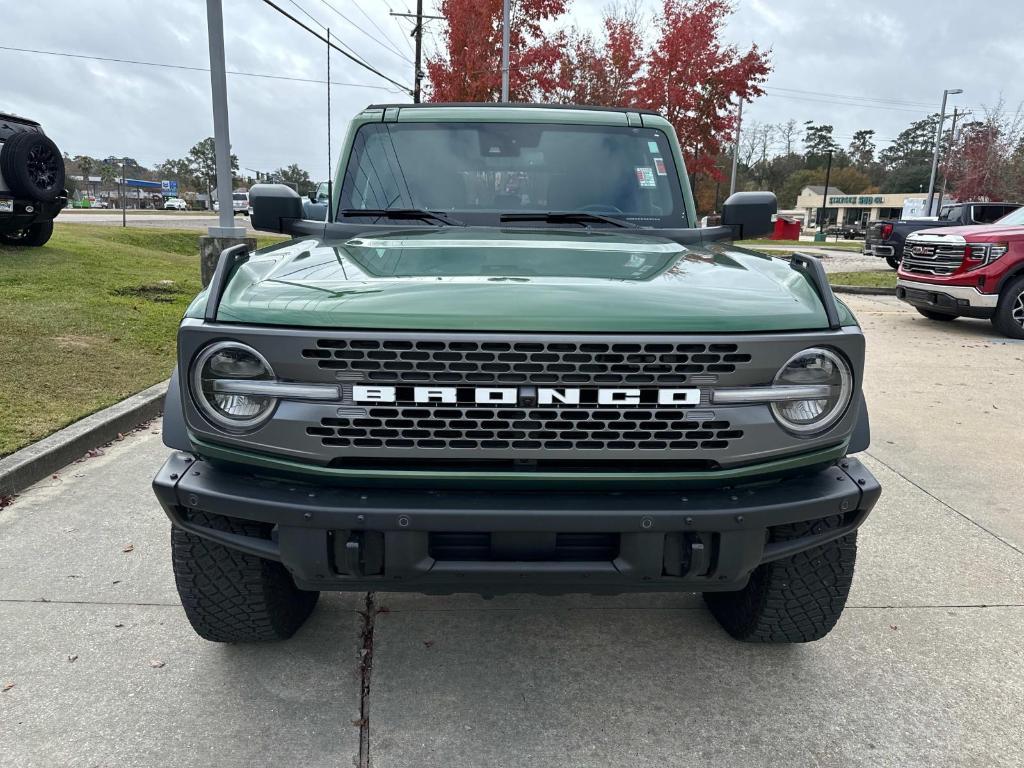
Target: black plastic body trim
(811,267)
(174,432)
(228,261)
(310,521)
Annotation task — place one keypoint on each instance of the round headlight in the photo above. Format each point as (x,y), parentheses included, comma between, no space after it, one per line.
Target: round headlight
(219,377)
(819,368)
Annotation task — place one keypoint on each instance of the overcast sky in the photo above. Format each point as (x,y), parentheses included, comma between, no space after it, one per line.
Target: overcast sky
(853,63)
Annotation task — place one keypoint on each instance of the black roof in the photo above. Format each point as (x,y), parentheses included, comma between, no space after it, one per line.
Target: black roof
(511,105)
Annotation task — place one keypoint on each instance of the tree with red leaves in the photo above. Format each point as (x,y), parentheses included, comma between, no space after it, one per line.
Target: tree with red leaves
(470,68)
(688,75)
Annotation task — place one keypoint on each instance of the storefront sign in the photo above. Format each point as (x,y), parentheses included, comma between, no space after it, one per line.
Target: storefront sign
(856,200)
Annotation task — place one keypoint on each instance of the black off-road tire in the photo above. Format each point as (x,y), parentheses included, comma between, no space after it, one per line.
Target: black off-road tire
(942,317)
(794,600)
(233,597)
(33,237)
(1009,316)
(893,261)
(32,166)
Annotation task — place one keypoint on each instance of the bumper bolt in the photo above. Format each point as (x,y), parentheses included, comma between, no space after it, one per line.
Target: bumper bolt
(646,522)
(862,481)
(739,518)
(174,475)
(689,521)
(403,522)
(193,500)
(360,518)
(308,515)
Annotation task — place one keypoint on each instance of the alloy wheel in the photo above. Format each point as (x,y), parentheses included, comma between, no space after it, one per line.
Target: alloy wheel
(42,167)
(1017,311)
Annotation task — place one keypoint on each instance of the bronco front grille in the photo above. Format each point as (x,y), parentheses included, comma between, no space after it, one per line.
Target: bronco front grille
(525,362)
(528,429)
(932,258)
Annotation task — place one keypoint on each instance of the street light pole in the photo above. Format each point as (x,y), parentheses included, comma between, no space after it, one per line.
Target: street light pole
(938,138)
(824,194)
(504,49)
(736,147)
(221,140)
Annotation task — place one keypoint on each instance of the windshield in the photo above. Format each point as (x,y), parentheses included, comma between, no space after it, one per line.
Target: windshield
(478,171)
(240,196)
(1015,219)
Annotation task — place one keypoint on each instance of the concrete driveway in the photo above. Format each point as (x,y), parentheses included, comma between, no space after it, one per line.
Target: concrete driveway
(924,669)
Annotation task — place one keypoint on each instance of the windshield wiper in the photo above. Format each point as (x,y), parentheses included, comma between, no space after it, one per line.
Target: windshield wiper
(403,213)
(572,217)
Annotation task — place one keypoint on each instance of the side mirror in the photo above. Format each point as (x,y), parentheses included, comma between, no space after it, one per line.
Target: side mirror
(272,205)
(312,198)
(749,213)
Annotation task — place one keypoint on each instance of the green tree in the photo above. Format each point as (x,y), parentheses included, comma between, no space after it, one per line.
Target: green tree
(297,178)
(202,159)
(818,142)
(86,165)
(862,149)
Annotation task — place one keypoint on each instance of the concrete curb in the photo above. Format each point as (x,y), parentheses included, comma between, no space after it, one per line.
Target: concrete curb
(864,290)
(34,462)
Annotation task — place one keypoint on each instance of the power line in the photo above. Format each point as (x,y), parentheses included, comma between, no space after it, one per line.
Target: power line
(343,52)
(845,103)
(164,65)
(378,27)
(387,45)
(898,102)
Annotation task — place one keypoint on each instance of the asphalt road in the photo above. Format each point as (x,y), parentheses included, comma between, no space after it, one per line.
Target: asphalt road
(924,669)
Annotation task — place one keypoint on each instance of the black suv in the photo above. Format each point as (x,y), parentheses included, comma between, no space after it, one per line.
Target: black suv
(32,189)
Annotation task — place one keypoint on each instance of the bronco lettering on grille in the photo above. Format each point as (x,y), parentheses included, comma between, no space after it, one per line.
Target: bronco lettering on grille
(525,395)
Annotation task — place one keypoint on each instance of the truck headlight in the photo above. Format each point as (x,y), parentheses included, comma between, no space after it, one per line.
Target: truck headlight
(221,375)
(820,368)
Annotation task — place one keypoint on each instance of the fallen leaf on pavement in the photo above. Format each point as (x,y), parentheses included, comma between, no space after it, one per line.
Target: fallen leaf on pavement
(7,687)
(73,657)
(128,548)
(155,663)
(118,624)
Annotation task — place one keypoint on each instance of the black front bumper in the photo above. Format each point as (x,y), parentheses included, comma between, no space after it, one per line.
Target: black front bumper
(339,538)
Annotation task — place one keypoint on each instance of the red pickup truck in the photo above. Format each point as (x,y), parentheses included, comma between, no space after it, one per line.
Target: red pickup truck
(967,272)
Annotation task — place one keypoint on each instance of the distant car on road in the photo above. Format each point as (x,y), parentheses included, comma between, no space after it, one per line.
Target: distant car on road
(32,189)
(886,239)
(175,204)
(239,204)
(851,230)
(315,206)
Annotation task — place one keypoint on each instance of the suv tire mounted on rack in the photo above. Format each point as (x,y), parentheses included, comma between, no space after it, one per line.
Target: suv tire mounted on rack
(32,179)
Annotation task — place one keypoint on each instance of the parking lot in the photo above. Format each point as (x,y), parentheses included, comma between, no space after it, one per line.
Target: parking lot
(100,668)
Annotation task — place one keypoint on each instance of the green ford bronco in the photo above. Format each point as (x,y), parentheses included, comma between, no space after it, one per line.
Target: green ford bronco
(510,361)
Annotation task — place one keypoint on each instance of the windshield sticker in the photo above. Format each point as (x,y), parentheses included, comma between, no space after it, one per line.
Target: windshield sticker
(645,176)
(636,260)
(659,166)
(652,146)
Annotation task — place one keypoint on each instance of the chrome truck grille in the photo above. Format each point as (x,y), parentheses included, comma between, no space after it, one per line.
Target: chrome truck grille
(932,258)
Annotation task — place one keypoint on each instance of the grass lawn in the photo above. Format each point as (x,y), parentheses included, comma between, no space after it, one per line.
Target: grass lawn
(885,278)
(841,245)
(87,320)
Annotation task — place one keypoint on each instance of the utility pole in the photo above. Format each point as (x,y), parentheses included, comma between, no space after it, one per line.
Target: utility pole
(736,147)
(417,33)
(938,138)
(824,194)
(226,234)
(504,48)
(124,196)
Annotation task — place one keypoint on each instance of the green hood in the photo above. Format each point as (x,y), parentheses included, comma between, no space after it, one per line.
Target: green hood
(520,280)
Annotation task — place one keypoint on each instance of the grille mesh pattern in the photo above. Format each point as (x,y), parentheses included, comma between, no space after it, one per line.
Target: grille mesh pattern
(932,259)
(525,429)
(525,362)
